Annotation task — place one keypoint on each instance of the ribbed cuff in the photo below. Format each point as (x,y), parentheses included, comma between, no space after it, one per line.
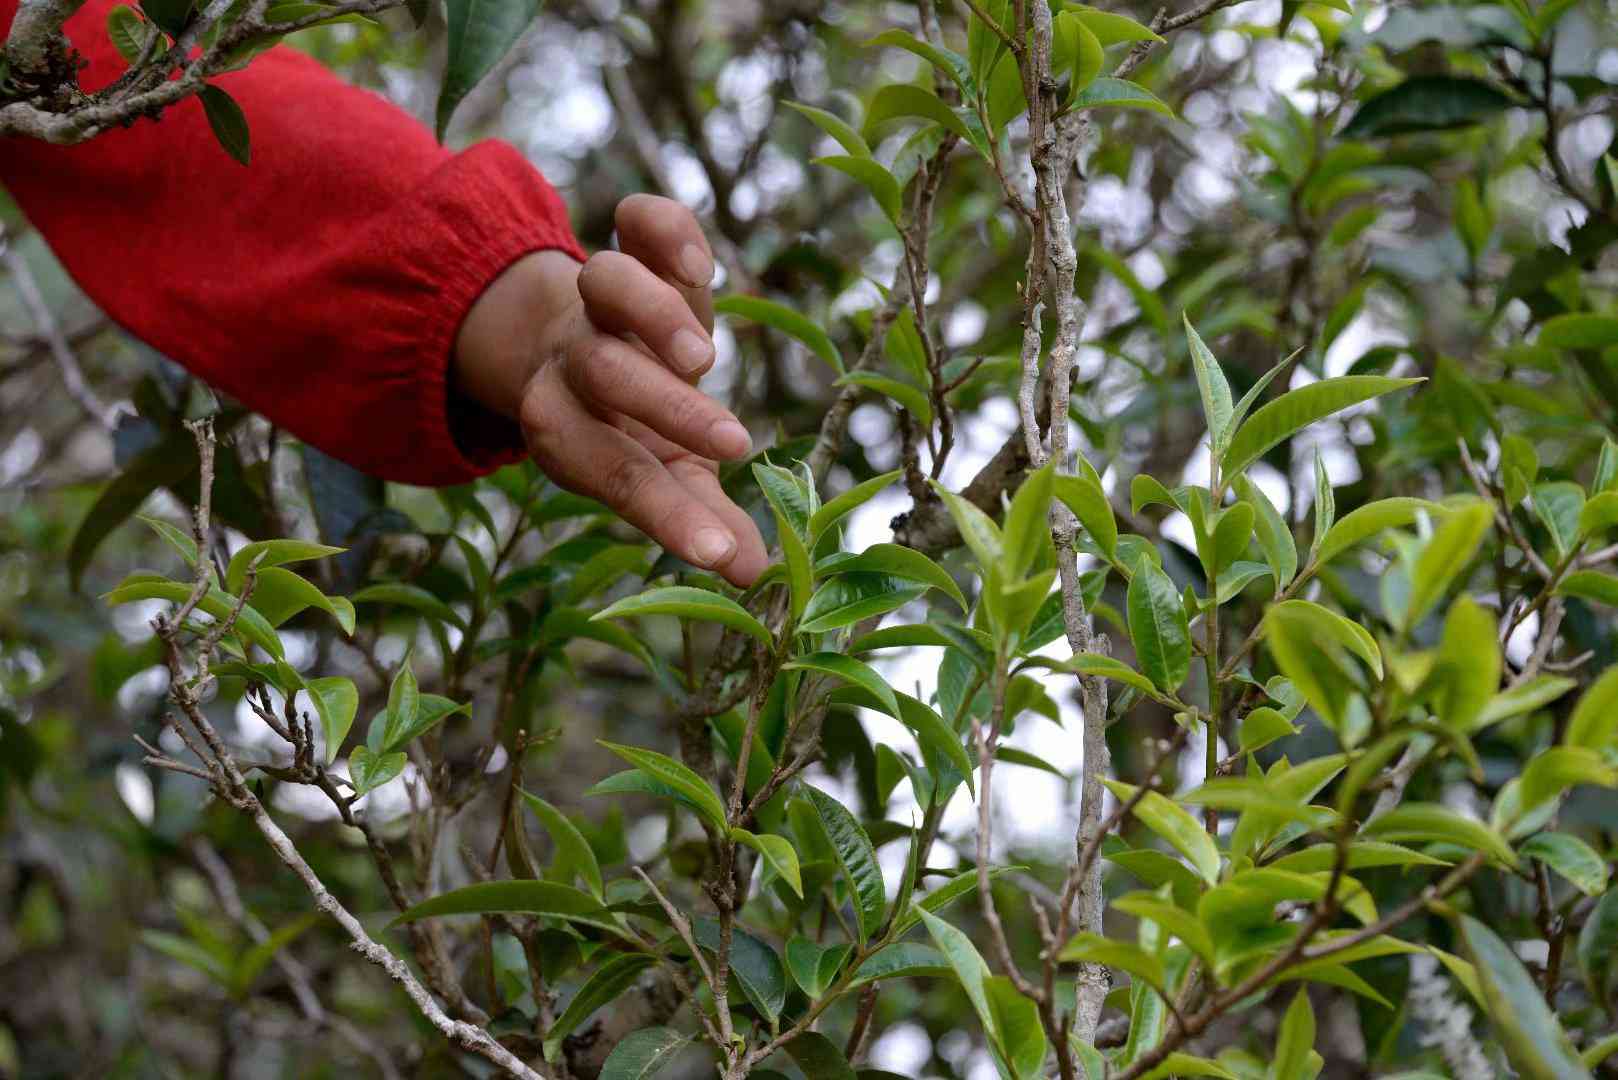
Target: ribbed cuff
(500,209)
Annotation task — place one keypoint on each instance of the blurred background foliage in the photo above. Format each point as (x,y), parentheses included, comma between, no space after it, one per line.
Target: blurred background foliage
(1286,207)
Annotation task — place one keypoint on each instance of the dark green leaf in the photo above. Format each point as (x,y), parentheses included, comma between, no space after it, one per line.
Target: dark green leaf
(480,34)
(599,990)
(1158,627)
(1426,103)
(228,123)
(1532,1036)
(643,1054)
(857,859)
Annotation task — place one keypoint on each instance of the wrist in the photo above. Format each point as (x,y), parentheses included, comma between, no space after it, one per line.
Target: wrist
(525,315)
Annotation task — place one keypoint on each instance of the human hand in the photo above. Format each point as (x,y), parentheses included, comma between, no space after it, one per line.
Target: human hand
(598,363)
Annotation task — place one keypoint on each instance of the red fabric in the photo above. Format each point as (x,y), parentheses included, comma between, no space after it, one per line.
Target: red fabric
(322,285)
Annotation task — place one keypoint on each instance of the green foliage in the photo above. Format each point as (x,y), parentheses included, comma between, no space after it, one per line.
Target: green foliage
(1361,718)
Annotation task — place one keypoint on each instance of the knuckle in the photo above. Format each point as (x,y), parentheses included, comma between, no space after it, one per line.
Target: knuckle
(626,479)
(588,364)
(598,271)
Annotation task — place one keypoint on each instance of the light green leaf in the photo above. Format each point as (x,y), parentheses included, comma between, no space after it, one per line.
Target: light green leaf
(913,398)
(813,966)
(1360,525)
(778,852)
(1107,91)
(1569,856)
(1171,822)
(1296,1040)
(280,594)
(1469,664)
(1274,536)
(902,959)
(676,776)
(268,553)
(1027,526)
(1594,723)
(834,126)
(950,64)
(968,964)
(215,602)
(369,771)
(1297,409)
(1560,505)
(1445,556)
(1111,28)
(1590,585)
(840,507)
(1091,506)
(782,318)
(687,603)
(336,700)
(884,188)
(1261,727)
(573,851)
(1579,330)
(846,599)
(1522,698)
(411,596)
(516,897)
(1217,403)
(1439,824)
(1532,1036)
(900,101)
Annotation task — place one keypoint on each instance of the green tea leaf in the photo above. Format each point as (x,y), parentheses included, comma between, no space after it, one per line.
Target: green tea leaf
(1171,822)
(1594,723)
(782,318)
(813,966)
(410,596)
(1297,409)
(603,986)
(227,122)
(687,603)
(1217,403)
(778,852)
(908,564)
(852,499)
(480,34)
(1569,856)
(857,860)
(1426,103)
(573,851)
(1158,627)
(643,1054)
(676,776)
(1532,1036)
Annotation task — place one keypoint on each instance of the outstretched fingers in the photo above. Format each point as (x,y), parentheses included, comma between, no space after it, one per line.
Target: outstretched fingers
(611,375)
(583,453)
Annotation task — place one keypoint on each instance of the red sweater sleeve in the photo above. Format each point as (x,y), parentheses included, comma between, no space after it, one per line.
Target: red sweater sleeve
(323,284)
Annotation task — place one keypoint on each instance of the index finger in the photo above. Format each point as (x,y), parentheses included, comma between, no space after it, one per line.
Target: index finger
(667,237)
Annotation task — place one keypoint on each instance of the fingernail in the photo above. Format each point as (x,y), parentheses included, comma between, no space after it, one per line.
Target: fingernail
(696,266)
(729,439)
(712,546)
(691,352)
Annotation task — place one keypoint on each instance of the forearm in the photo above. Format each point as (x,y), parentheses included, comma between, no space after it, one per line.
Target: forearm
(326,284)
